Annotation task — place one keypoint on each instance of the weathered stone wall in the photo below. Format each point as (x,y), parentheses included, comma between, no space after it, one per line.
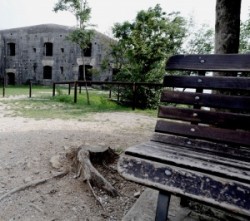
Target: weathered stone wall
(29,57)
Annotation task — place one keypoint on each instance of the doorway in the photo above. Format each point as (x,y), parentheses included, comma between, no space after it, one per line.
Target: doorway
(11,78)
(88,73)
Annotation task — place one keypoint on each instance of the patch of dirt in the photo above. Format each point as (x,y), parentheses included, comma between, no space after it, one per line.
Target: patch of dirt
(26,147)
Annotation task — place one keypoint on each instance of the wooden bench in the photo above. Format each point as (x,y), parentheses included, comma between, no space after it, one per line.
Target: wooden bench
(201,146)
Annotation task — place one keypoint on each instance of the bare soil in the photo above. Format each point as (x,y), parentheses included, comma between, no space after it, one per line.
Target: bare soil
(26,147)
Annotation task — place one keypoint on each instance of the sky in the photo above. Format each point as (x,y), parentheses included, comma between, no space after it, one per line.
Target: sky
(21,13)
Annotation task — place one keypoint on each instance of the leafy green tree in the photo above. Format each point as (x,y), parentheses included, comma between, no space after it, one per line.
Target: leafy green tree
(245,35)
(200,41)
(143,47)
(245,39)
(81,35)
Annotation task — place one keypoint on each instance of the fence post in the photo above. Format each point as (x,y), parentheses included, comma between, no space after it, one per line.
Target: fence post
(54,90)
(3,86)
(134,96)
(110,93)
(118,92)
(80,88)
(30,89)
(69,89)
(75,92)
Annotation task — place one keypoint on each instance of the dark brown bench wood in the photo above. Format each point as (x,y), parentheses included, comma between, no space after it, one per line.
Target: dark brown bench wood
(201,145)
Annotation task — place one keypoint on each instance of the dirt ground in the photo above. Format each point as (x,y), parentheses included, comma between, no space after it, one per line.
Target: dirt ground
(26,147)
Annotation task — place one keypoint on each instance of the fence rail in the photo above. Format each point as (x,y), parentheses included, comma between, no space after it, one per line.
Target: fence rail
(79,84)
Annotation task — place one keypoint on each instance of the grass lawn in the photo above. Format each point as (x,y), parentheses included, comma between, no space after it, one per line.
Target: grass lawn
(43,105)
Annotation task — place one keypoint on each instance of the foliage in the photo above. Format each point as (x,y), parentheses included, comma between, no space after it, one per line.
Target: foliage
(79,8)
(81,35)
(200,41)
(245,39)
(143,47)
(245,36)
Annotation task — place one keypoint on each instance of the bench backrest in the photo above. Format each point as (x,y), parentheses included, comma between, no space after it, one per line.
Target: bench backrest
(200,110)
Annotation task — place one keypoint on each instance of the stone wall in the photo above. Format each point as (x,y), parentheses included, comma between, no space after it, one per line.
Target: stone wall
(43,54)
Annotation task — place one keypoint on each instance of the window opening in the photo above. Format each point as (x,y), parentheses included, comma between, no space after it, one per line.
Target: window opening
(34,67)
(61,68)
(48,49)
(88,73)
(87,51)
(11,49)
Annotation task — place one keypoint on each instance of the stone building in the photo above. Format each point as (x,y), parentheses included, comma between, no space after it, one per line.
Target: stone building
(43,54)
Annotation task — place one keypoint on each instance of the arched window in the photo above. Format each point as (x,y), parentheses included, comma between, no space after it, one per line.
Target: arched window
(48,49)
(47,72)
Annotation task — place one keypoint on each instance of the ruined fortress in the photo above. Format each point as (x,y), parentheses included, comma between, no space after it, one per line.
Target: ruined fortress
(42,54)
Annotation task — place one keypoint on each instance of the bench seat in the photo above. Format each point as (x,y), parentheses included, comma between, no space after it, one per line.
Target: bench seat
(189,172)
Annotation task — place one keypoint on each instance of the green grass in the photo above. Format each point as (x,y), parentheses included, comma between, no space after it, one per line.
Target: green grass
(24,90)
(43,105)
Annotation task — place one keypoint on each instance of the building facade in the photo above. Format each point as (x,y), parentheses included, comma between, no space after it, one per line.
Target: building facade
(43,54)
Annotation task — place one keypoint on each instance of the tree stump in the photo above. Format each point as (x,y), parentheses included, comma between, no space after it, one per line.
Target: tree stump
(82,160)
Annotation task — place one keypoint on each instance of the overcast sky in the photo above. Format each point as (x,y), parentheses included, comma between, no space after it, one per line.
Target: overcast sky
(20,13)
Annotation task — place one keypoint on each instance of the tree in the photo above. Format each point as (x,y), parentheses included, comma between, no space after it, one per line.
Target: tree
(81,35)
(227,26)
(245,39)
(200,41)
(245,35)
(143,47)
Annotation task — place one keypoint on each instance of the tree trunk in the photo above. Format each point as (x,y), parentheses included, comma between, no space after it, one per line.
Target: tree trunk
(227,26)
(84,77)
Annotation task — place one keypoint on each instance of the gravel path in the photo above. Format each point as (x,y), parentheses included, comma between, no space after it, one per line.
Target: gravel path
(26,146)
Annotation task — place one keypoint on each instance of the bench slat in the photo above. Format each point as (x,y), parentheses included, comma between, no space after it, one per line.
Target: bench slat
(190,159)
(205,147)
(201,145)
(209,133)
(229,83)
(220,192)
(207,100)
(216,118)
(215,62)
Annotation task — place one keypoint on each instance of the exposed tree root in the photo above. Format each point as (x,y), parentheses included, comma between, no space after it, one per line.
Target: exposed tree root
(32,184)
(96,197)
(37,208)
(82,159)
